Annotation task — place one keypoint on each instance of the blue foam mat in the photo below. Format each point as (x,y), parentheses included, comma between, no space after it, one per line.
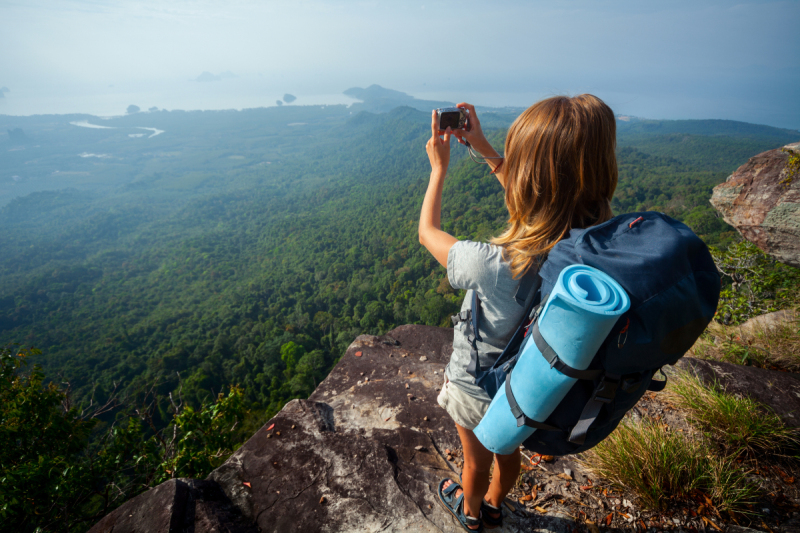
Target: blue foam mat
(577,317)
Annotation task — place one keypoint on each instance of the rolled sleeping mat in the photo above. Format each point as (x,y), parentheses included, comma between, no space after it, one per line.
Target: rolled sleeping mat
(581,310)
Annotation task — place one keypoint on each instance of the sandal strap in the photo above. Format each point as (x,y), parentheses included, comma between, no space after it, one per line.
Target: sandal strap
(472,521)
(489,519)
(447,491)
(468,520)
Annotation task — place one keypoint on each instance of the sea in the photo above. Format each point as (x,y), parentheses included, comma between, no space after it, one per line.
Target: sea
(113,99)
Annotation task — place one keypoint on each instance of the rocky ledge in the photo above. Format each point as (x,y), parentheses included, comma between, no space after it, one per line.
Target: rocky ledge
(762,202)
(366,451)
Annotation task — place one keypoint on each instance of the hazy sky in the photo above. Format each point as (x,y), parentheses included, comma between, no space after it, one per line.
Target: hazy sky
(673,59)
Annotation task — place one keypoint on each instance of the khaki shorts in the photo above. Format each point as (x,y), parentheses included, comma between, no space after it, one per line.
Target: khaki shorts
(465,410)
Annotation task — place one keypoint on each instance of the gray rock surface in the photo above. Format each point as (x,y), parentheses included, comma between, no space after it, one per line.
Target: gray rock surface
(363,455)
(758,201)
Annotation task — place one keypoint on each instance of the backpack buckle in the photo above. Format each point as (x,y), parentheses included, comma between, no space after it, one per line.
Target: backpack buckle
(463,316)
(630,385)
(606,390)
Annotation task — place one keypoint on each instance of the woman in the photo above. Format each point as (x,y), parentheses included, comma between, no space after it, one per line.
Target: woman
(559,173)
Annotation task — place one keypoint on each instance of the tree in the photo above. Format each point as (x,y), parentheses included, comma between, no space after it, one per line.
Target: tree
(758,284)
(56,476)
(289,98)
(133,109)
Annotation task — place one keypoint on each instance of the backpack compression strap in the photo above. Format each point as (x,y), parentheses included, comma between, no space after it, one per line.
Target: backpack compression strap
(522,418)
(474,316)
(555,361)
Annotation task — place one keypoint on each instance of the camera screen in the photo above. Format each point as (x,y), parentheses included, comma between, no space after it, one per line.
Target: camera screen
(449,119)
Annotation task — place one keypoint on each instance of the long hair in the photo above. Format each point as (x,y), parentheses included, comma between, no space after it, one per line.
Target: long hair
(561,172)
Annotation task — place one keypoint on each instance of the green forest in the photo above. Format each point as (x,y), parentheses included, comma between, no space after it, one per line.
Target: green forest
(248,249)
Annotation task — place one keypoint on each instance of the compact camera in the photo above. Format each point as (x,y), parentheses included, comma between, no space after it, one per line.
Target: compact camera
(454,118)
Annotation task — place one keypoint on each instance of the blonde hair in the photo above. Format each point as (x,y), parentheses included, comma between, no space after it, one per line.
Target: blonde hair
(561,172)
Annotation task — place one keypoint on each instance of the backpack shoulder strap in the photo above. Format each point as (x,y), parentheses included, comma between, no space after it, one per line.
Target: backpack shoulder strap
(473,326)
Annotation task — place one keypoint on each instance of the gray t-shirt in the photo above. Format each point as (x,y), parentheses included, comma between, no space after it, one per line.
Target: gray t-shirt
(480,267)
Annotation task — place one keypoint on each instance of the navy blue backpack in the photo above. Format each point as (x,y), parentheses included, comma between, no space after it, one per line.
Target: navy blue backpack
(674,287)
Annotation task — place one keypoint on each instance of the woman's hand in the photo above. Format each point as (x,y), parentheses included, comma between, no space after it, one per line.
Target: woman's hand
(438,148)
(474,135)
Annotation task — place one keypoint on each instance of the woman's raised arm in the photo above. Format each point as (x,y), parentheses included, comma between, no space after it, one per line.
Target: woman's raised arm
(431,236)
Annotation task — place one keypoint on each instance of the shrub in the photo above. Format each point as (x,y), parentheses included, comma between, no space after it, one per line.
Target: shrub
(758,283)
(56,476)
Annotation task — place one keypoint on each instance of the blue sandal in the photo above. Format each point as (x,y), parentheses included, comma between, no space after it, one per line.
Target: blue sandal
(447,497)
(489,521)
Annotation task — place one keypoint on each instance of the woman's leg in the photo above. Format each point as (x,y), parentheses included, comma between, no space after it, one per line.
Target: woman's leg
(475,474)
(504,477)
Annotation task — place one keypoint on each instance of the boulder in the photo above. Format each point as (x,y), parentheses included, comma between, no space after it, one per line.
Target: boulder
(763,205)
(365,452)
(770,321)
(177,505)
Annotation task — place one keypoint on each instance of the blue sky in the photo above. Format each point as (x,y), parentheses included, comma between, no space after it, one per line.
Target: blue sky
(677,59)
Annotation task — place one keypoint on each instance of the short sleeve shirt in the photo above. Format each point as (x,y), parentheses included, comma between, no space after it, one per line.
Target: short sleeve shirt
(481,267)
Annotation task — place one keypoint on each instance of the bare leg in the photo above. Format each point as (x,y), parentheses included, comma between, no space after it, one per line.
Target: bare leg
(506,472)
(475,474)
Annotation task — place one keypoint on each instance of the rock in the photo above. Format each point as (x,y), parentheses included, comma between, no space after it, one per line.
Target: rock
(177,505)
(762,323)
(763,206)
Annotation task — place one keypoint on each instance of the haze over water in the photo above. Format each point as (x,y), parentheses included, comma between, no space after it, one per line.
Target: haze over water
(682,59)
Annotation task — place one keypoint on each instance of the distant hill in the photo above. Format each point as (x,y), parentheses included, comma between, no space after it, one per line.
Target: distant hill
(378,99)
(729,128)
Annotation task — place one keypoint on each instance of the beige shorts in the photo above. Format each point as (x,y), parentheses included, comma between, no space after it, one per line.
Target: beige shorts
(465,410)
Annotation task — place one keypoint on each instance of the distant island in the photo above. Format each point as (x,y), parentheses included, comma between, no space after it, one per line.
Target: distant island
(378,99)
(207,76)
